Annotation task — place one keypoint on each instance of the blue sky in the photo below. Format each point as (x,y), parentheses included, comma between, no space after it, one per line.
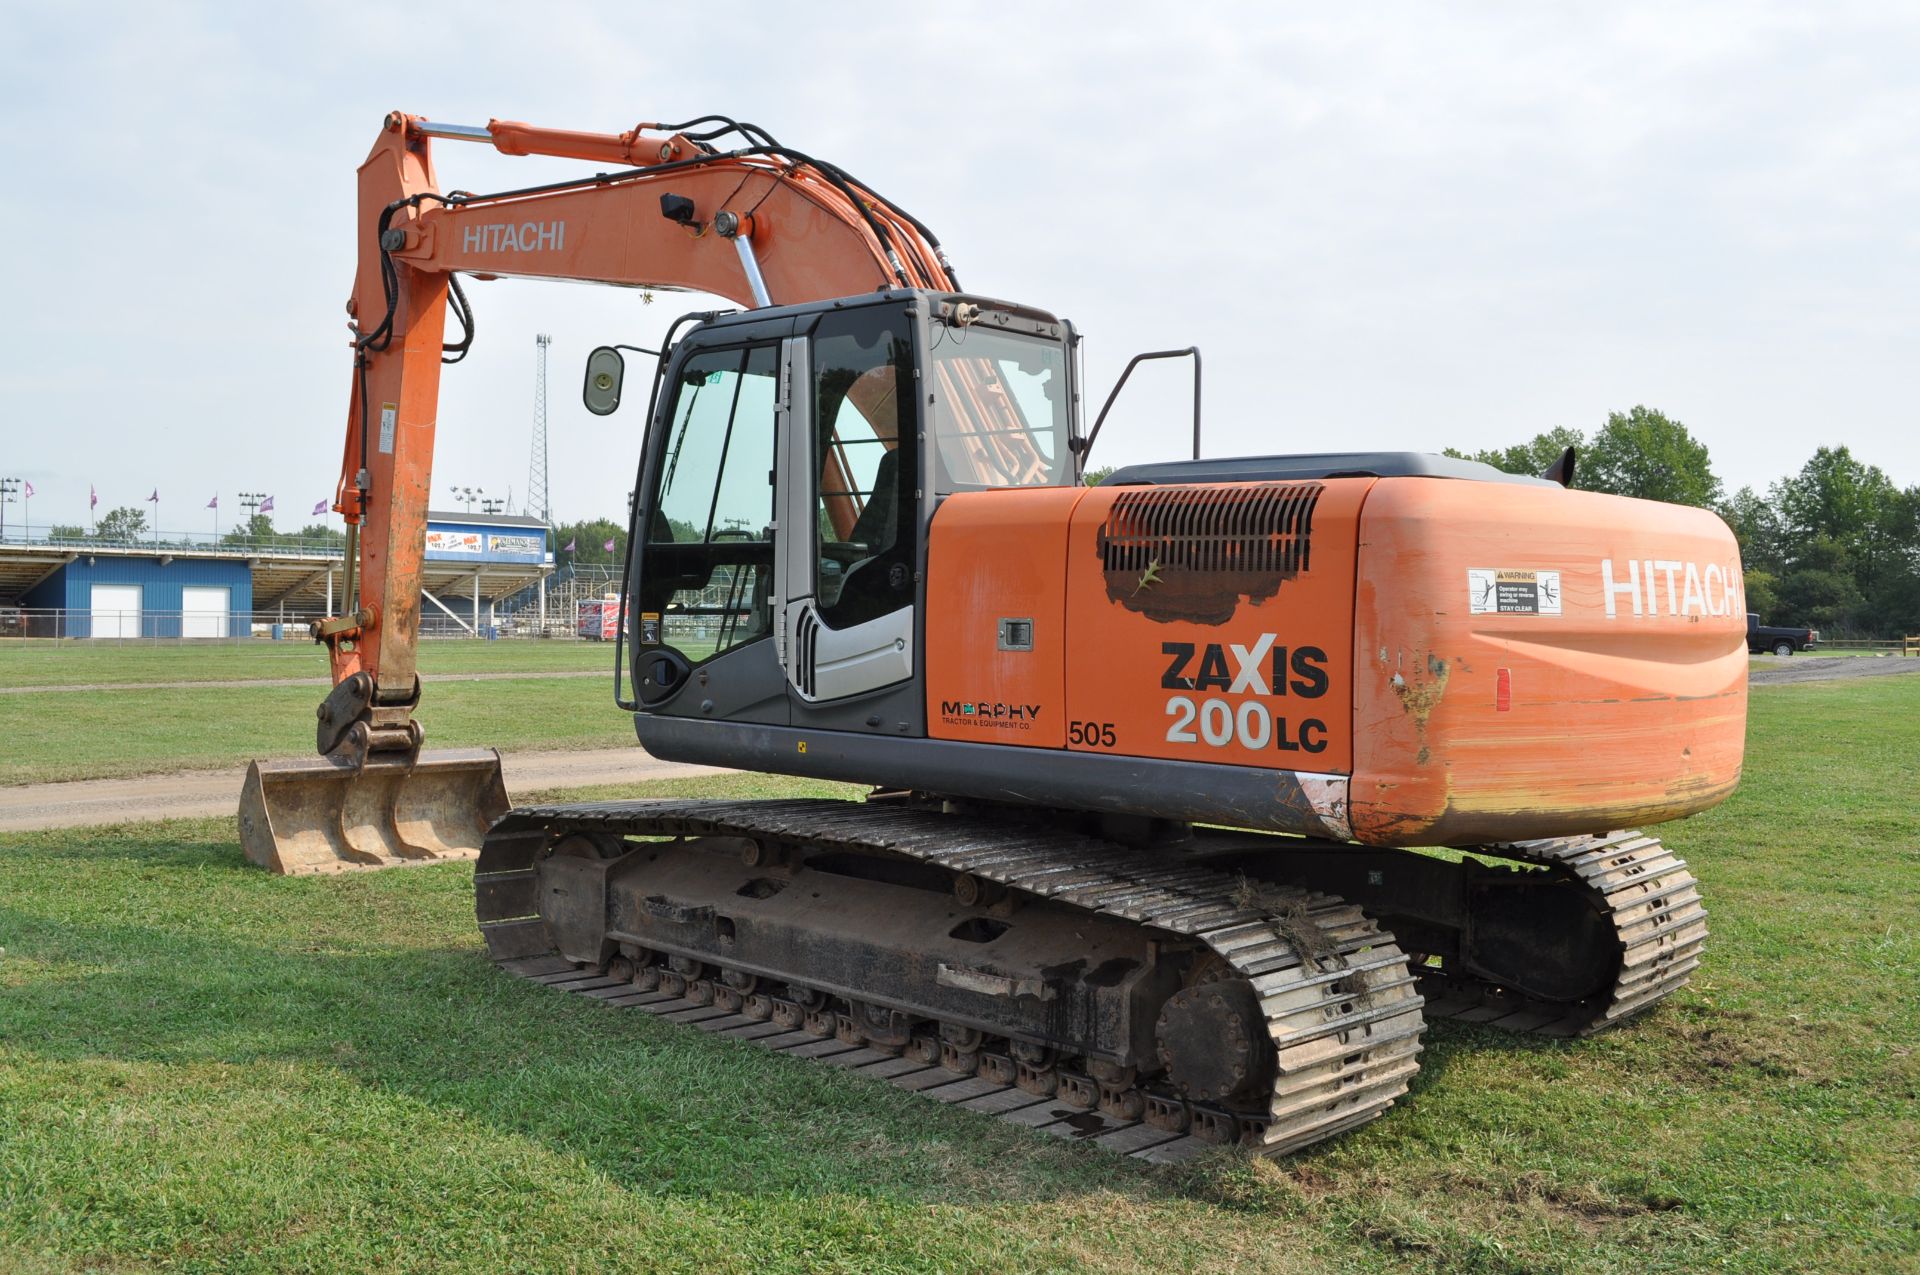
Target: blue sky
(1397,227)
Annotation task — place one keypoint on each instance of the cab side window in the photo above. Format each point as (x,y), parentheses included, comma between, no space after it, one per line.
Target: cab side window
(865,466)
(709,537)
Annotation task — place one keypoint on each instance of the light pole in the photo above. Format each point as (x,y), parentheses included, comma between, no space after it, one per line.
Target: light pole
(467,495)
(8,486)
(250,501)
(492,506)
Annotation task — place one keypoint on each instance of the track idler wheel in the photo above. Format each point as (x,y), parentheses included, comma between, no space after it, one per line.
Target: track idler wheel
(1214,1043)
(881,1027)
(1119,1096)
(960,1048)
(646,968)
(1034,1068)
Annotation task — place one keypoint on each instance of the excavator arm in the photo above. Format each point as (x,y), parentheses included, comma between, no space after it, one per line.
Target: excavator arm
(759,224)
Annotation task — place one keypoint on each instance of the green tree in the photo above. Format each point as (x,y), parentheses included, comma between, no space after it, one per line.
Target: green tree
(1832,495)
(1097,475)
(120,525)
(1897,604)
(66,531)
(1763,593)
(256,530)
(1893,593)
(1533,456)
(1756,525)
(1820,590)
(589,540)
(317,532)
(1855,505)
(1644,453)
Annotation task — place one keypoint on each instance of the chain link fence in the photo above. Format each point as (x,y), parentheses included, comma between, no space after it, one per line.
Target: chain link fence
(153,627)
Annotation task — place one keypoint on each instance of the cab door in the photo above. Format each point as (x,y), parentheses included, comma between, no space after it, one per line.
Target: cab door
(703,619)
(850,561)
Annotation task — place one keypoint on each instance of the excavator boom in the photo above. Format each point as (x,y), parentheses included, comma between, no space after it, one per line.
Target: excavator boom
(759,225)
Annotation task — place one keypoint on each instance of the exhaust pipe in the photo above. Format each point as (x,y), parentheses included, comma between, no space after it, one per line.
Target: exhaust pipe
(324,814)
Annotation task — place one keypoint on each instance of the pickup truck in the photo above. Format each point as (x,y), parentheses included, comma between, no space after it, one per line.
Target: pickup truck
(1766,637)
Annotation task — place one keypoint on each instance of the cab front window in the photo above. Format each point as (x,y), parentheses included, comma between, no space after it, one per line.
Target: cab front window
(1000,410)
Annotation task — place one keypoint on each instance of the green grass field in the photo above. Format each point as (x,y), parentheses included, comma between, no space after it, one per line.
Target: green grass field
(203,1067)
(96,734)
(54,735)
(102,663)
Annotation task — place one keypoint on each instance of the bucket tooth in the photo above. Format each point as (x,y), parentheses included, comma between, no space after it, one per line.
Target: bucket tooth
(322,814)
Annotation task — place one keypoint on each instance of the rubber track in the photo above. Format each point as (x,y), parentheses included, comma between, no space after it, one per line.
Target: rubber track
(1654,904)
(1346,1025)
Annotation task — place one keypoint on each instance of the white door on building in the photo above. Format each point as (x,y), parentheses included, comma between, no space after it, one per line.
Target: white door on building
(204,611)
(116,610)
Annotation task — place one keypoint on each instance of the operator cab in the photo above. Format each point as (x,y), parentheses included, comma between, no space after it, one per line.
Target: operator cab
(794,457)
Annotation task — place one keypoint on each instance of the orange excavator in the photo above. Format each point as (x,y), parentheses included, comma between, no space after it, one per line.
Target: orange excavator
(1195,793)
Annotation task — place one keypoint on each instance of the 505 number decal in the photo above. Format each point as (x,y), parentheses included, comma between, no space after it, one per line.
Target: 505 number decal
(1090,734)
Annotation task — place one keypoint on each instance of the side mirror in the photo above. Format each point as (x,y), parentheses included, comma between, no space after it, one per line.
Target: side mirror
(605,370)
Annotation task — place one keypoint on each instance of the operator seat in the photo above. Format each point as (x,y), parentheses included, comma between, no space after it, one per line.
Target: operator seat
(879,519)
(876,530)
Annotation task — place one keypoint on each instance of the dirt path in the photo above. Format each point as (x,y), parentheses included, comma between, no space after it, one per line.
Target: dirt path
(294,681)
(199,793)
(1773,670)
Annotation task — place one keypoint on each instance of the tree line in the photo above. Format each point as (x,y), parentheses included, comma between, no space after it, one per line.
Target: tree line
(1835,546)
(589,538)
(127,525)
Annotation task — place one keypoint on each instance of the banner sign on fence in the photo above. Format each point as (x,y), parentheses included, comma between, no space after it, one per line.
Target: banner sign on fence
(453,542)
(529,546)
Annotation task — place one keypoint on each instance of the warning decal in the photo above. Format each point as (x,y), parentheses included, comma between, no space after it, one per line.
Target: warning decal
(1505,591)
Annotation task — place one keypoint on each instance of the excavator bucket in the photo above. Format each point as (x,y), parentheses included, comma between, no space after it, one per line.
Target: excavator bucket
(320,814)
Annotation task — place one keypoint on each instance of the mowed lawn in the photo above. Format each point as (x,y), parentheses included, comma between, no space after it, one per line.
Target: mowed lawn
(203,1067)
(76,663)
(65,734)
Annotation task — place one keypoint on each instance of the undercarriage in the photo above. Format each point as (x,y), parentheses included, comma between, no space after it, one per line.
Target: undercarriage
(1158,994)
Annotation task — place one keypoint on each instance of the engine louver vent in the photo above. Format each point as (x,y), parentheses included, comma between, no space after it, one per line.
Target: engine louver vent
(806,638)
(1192,553)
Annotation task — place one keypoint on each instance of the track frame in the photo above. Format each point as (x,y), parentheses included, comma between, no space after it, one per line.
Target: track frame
(1339,1008)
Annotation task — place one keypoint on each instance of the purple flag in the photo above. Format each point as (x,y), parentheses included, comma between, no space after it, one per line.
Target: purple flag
(266,506)
(211,504)
(320,508)
(93,497)
(155,498)
(608,546)
(29,489)
(571,545)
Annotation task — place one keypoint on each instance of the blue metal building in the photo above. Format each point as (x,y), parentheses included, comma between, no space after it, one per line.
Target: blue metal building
(167,596)
(78,588)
